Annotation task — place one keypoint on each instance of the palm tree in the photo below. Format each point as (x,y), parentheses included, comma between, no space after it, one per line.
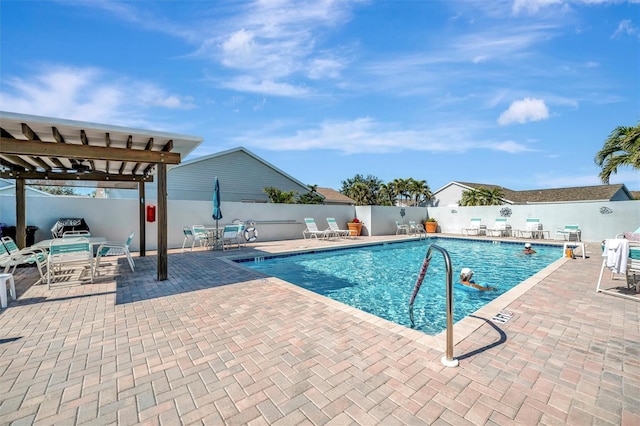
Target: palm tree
(491,197)
(622,148)
(359,192)
(278,196)
(482,197)
(402,187)
(470,198)
(419,191)
(386,194)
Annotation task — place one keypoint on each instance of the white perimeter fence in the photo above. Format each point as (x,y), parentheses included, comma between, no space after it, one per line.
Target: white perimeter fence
(116,218)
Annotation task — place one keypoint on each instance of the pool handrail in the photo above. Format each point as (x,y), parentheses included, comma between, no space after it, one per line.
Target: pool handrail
(448,359)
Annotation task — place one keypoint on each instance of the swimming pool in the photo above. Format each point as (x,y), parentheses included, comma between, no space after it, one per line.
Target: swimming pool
(379,279)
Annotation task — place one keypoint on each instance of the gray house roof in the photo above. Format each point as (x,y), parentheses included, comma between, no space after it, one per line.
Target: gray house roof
(618,192)
(331,196)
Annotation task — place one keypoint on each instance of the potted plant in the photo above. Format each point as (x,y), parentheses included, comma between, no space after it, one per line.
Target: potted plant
(355,227)
(431,225)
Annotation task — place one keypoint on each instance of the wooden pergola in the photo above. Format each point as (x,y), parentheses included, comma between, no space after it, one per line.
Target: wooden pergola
(44,148)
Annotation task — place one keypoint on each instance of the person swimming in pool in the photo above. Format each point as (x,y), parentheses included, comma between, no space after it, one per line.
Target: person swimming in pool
(528,249)
(466,278)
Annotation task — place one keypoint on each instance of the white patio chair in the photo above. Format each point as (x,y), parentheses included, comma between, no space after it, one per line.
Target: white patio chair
(312,230)
(531,229)
(500,228)
(231,237)
(112,248)
(28,255)
(402,228)
(68,251)
(571,232)
(67,234)
(474,227)
(201,238)
(333,226)
(201,235)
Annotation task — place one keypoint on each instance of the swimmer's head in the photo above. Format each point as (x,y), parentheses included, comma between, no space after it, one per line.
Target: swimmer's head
(466,274)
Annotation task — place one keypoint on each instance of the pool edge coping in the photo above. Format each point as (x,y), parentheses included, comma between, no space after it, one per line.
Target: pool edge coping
(461,329)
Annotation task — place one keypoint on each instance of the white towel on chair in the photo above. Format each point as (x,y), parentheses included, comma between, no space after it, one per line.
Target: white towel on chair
(617,252)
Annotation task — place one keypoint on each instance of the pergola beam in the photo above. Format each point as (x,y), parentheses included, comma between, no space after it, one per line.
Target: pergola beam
(74,176)
(85,152)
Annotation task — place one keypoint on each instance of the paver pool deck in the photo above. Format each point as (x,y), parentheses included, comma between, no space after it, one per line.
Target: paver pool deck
(219,344)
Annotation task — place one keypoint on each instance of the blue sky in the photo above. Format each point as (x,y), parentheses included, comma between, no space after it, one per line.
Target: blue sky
(519,93)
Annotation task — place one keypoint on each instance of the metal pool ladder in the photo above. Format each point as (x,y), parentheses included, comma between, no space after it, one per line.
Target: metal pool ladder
(447,360)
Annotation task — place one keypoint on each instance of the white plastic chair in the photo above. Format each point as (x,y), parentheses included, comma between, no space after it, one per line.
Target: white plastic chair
(532,226)
(30,255)
(68,251)
(474,227)
(231,237)
(111,248)
(333,226)
(68,234)
(312,230)
(201,235)
(571,232)
(401,228)
(500,228)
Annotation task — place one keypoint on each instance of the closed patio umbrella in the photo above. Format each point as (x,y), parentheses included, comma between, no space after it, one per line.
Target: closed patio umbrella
(217,213)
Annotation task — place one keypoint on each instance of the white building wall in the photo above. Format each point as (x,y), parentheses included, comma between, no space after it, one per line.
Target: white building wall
(448,196)
(116,218)
(597,220)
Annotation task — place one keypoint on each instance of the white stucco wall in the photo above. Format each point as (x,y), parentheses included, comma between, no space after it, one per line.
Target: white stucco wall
(116,218)
(597,220)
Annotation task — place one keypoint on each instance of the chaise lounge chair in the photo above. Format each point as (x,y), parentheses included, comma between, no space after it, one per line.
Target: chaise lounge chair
(571,232)
(333,226)
(312,230)
(475,227)
(531,229)
(621,256)
(11,256)
(500,228)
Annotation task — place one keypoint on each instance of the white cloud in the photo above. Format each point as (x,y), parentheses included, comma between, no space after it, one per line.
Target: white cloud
(533,6)
(239,49)
(625,27)
(523,111)
(266,87)
(366,135)
(511,147)
(324,68)
(86,94)
(273,41)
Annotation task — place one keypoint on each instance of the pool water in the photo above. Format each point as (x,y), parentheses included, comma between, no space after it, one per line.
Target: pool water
(380,279)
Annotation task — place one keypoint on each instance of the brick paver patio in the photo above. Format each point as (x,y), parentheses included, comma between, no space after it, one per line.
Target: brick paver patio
(219,344)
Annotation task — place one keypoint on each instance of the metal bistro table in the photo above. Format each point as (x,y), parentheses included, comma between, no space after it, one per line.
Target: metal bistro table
(214,236)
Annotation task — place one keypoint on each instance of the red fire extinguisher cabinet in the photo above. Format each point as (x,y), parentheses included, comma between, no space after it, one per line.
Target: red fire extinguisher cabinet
(151,213)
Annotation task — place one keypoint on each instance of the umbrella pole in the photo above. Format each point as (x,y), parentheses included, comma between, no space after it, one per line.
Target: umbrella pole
(215,239)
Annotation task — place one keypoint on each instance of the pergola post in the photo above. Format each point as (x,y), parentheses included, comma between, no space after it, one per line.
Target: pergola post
(21,213)
(163,266)
(141,214)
